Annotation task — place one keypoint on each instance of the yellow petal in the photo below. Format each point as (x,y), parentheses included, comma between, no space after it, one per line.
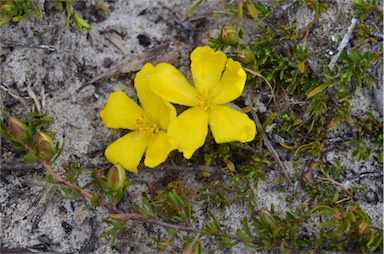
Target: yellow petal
(127,150)
(157,110)
(189,130)
(121,111)
(228,125)
(170,84)
(231,84)
(207,67)
(158,150)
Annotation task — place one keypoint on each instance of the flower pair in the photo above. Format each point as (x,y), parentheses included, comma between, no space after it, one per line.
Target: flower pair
(156,128)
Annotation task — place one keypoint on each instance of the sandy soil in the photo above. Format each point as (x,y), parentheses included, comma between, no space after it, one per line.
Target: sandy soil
(47,81)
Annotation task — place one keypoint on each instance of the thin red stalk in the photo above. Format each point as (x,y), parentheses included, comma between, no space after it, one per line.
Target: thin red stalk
(119,213)
(81,191)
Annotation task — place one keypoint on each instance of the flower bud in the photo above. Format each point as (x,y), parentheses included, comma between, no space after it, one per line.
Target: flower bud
(229,35)
(116,178)
(267,219)
(18,130)
(245,56)
(45,146)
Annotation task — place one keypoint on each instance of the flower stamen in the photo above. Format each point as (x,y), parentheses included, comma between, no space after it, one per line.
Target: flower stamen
(204,99)
(146,126)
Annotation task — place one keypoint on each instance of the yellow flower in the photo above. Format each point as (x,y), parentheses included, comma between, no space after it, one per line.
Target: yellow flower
(148,122)
(217,81)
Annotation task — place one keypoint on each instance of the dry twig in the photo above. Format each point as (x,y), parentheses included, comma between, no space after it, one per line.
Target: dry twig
(155,55)
(266,140)
(343,43)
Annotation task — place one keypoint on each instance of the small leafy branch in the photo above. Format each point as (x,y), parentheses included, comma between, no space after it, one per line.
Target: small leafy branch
(173,207)
(17,10)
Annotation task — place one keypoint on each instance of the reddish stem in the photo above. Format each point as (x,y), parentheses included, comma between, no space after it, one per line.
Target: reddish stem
(81,191)
(119,213)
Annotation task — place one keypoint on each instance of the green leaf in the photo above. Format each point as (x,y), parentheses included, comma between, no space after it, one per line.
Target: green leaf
(324,210)
(301,66)
(335,197)
(194,8)
(30,157)
(269,120)
(317,90)
(326,224)
(243,236)
(69,14)
(377,241)
(246,227)
(81,23)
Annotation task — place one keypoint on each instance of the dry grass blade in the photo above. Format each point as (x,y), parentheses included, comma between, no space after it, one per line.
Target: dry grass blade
(155,55)
(116,40)
(343,43)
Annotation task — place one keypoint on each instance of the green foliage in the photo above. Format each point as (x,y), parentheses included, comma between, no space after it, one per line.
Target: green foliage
(192,245)
(370,138)
(16,10)
(346,226)
(362,152)
(71,13)
(320,182)
(364,7)
(46,179)
(174,203)
(28,136)
(317,6)
(268,230)
(216,195)
(145,209)
(72,172)
(290,121)
(194,7)
(219,233)
(239,187)
(355,66)
(163,244)
(117,225)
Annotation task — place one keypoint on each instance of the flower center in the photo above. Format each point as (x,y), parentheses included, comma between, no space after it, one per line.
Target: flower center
(146,126)
(204,98)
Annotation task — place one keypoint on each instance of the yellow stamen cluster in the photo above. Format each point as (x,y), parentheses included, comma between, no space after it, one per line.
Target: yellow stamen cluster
(204,98)
(146,126)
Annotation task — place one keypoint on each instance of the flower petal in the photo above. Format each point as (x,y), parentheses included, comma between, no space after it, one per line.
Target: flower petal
(127,150)
(207,66)
(170,84)
(231,84)
(158,150)
(121,111)
(156,108)
(228,125)
(189,130)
